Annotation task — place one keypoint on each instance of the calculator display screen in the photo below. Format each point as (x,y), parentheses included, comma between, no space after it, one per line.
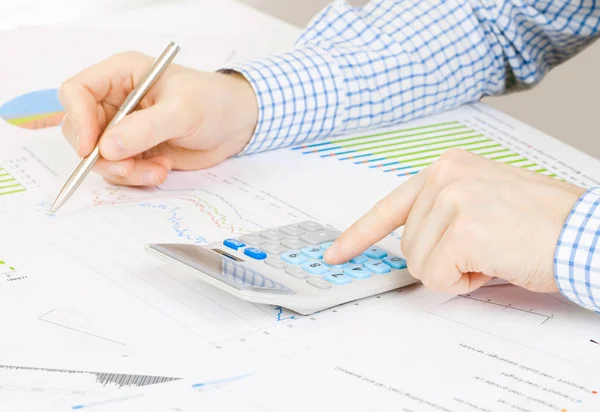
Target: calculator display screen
(221,266)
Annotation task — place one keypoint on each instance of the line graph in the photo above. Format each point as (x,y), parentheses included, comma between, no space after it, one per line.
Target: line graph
(509,306)
(100,379)
(217,202)
(405,152)
(217,214)
(143,399)
(281,316)
(40,388)
(103,231)
(505,303)
(74,321)
(527,318)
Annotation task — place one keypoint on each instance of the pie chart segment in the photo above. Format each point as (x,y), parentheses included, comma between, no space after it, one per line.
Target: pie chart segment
(34,110)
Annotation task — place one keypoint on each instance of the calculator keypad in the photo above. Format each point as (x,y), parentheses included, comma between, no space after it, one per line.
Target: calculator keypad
(315,267)
(298,250)
(234,244)
(276,262)
(293,243)
(395,262)
(292,230)
(375,253)
(273,248)
(321,236)
(337,278)
(378,267)
(312,252)
(326,245)
(255,253)
(273,234)
(358,272)
(294,258)
(311,226)
(296,272)
(359,260)
(319,283)
(253,239)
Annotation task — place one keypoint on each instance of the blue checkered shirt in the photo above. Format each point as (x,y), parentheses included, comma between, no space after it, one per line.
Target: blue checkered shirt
(397,60)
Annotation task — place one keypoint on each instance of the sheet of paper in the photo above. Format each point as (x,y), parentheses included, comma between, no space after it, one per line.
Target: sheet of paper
(175,396)
(413,360)
(76,381)
(421,362)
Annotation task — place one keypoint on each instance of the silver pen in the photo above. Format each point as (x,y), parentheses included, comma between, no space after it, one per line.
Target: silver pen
(87,163)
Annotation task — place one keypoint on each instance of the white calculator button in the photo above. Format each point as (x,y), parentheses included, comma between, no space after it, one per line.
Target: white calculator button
(276,262)
(311,226)
(272,234)
(293,243)
(273,248)
(321,236)
(318,282)
(296,272)
(252,239)
(292,230)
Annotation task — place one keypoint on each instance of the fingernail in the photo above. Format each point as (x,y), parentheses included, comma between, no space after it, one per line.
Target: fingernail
(150,178)
(118,170)
(114,146)
(77,143)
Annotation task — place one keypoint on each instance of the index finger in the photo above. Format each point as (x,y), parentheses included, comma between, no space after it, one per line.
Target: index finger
(82,112)
(81,94)
(386,216)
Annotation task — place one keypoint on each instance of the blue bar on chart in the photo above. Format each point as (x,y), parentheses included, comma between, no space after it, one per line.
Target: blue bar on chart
(407,151)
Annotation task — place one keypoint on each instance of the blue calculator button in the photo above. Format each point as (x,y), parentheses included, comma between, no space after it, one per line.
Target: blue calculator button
(313,252)
(395,262)
(359,260)
(378,267)
(234,244)
(340,266)
(326,245)
(358,272)
(375,253)
(255,253)
(315,268)
(337,278)
(293,258)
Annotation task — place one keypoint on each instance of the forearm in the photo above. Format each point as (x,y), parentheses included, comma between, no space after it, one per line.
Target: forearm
(394,61)
(577,258)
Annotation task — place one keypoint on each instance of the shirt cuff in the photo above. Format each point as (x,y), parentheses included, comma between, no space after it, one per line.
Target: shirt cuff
(576,261)
(300,97)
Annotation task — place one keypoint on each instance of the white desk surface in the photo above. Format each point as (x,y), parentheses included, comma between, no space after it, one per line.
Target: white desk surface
(226,20)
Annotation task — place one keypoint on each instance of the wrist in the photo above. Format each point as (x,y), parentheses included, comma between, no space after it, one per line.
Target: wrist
(241,105)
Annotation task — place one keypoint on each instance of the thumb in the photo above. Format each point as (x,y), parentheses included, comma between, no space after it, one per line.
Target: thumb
(142,130)
(386,216)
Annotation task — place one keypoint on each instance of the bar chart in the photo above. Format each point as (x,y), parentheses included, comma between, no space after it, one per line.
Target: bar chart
(8,184)
(405,152)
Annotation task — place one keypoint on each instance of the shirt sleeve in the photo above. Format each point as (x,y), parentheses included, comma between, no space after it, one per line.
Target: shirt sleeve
(396,60)
(577,257)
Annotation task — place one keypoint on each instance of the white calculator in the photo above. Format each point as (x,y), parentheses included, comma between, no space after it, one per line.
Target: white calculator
(284,267)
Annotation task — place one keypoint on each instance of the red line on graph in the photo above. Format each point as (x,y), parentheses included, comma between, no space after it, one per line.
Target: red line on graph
(218,219)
